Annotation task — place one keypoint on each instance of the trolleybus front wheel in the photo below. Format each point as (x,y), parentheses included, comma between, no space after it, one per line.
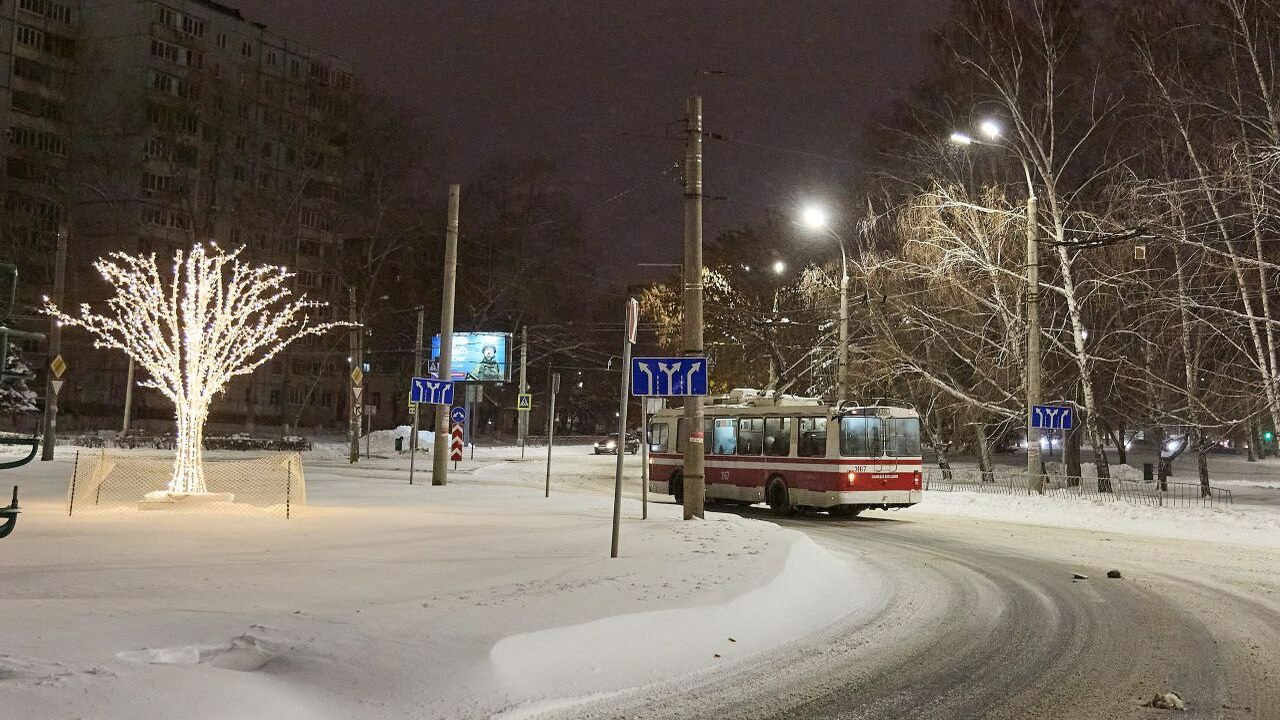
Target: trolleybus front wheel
(844,511)
(776,495)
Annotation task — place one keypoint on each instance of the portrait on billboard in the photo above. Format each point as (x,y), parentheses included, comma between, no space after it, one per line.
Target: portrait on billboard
(477,357)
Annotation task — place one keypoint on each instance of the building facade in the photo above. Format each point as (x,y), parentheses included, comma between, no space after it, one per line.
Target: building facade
(147,126)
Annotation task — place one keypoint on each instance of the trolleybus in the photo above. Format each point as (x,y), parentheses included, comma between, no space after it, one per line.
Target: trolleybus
(795,453)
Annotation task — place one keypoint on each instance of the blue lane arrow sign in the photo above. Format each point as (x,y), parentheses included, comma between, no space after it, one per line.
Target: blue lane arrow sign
(1051,417)
(458,415)
(431,391)
(669,377)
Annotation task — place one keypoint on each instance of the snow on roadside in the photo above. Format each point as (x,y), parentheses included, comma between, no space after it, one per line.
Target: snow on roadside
(385,600)
(1242,525)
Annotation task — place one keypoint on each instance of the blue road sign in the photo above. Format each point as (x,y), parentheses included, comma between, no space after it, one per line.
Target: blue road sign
(667,377)
(1051,417)
(458,415)
(431,391)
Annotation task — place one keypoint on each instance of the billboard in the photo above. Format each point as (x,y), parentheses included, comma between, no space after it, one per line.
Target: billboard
(477,356)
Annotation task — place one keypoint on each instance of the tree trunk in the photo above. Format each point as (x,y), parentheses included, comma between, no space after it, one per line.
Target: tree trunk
(984,453)
(1251,441)
(1202,461)
(188,465)
(1081,357)
(1122,453)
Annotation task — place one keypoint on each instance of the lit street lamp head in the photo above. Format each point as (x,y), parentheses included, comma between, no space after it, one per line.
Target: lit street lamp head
(960,138)
(814,218)
(990,128)
(779,267)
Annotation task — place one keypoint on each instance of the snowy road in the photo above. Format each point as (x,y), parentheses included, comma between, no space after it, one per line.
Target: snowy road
(987,622)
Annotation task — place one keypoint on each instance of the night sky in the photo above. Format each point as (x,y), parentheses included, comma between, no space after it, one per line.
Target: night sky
(596,85)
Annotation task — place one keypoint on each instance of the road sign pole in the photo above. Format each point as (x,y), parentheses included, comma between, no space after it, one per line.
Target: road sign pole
(417,409)
(694,480)
(55,348)
(522,416)
(628,336)
(439,465)
(551,423)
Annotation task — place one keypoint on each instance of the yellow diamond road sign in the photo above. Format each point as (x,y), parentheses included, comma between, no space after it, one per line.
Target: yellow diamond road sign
(58,366)
(357,376)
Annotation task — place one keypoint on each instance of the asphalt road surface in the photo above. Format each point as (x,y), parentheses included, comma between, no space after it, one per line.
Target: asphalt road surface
(984,620)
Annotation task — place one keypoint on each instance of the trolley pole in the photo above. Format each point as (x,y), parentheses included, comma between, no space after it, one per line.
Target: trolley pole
(694,479)
(55,349)
(417,407)
(440,461)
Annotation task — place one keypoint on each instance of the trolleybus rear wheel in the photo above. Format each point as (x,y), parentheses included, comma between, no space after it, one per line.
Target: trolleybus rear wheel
(776,495)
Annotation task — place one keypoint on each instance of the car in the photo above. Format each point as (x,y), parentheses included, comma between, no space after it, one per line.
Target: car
(608,444)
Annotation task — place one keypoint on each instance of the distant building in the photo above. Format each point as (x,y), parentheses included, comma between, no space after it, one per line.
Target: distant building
(146,126)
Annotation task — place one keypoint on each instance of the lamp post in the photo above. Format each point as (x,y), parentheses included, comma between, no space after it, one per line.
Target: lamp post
(815,218)
(991,130)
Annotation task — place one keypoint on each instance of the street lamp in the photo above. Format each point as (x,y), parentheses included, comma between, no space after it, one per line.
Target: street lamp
(992,131)
(779,267)
(816,218)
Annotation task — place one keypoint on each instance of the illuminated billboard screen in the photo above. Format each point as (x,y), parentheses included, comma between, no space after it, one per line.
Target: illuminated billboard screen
(476,356)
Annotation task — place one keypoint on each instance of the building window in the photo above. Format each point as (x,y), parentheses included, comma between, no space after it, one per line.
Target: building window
(246,49)
(166,16)
(30,37)
(34,71)
(36,106)
(222,41)
(164,50)
(152,183)
(37,139)
(295,68)
(164,83)
(45,8)
(272,57)
(156,148)
(192,26)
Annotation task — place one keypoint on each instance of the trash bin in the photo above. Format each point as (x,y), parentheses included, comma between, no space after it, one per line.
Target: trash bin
(399,444)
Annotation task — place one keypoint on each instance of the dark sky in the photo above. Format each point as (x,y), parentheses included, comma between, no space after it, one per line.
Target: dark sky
(577,81)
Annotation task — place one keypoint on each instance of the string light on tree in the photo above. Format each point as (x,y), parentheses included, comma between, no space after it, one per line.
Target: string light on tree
(213,319)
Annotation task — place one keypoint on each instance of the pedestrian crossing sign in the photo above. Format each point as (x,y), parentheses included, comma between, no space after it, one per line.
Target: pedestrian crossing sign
(524,401)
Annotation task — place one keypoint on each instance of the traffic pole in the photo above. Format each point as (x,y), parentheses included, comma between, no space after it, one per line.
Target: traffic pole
(357,390)
(128,397)
(55,349)
(554,384)
(694,480)
(440,463)
(417,407)
(644,455)
(522,416)
(628,335)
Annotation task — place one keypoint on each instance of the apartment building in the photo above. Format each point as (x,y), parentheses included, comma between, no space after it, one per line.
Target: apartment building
(141,125)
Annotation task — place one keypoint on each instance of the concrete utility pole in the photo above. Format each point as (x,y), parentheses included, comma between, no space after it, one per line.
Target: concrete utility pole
(128,397)
(694,480)
(357,388)
(55,349)
(842,360)
(1034,477)
(440,461)
(417,407)
(553,383)
(522,416)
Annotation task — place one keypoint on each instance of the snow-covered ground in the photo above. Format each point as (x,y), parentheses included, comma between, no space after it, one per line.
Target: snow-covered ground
(385,600)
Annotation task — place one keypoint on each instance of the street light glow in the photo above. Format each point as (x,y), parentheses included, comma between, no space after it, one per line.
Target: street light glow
(960,138)
(990,128)
(814,217)
(779,267)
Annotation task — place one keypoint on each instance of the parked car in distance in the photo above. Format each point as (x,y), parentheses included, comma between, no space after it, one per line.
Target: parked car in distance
(608,445)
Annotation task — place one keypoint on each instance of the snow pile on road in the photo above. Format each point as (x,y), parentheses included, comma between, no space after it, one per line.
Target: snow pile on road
(1241,524)
(387,600)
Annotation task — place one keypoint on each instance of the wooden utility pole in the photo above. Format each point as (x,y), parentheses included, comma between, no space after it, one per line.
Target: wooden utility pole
(440,461)
(694,480)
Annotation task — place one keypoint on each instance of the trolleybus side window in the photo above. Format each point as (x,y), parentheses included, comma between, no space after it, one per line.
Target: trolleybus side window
(726,437)
(861,437)
(750,436)
(813,437)
(682,440)
(777,436)
(903,437)
(658,437)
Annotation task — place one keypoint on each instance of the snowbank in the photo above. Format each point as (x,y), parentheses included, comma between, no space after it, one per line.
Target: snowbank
(1243,525)
(386,600)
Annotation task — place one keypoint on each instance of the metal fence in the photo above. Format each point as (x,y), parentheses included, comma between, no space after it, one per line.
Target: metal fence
(1137,492)
(120,481)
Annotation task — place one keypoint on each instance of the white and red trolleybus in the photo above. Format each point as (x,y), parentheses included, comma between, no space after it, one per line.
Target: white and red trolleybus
(795,453)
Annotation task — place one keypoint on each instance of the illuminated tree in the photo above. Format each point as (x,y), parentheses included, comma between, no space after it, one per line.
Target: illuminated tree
(212,319)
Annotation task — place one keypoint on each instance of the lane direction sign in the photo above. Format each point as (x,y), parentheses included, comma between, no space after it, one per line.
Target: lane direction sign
(431,391)
(669,377)
(1051,417)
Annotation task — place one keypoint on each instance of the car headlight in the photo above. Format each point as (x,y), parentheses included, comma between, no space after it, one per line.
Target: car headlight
(611,445)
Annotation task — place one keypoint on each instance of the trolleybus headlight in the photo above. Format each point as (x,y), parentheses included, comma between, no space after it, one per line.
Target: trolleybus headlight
(851,476)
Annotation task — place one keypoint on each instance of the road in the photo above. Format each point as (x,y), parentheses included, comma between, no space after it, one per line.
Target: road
(984,620)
